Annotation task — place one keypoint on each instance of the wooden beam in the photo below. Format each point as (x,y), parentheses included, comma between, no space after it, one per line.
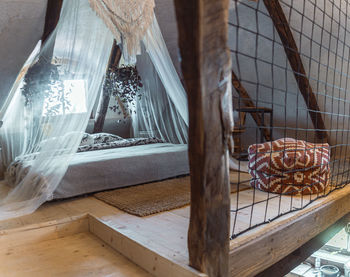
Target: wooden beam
(248,102)
(143,256)
(114,59)
(285,265)
(206,67)
(253,252)
(53,12)
(290,47)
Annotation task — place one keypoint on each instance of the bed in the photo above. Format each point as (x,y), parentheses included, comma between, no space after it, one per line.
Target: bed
(120,167)
(106,161)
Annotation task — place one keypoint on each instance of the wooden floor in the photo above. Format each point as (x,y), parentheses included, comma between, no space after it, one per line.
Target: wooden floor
(81,254)
(266,207)
(252,207)
(158,243)
(63,249)
(155,243)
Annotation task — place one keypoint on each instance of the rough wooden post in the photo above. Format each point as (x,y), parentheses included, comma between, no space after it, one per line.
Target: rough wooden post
(248,102)
(53,12)
(206,68)
(114,59)
(290,47)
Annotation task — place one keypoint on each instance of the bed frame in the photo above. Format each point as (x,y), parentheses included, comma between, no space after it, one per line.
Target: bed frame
(99,170)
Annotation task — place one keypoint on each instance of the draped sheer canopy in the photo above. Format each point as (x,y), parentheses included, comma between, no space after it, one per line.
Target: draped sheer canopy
(49,105)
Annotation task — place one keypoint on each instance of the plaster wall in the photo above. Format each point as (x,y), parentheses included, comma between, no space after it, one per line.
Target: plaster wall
(21,26)
(22,21)
(322,36)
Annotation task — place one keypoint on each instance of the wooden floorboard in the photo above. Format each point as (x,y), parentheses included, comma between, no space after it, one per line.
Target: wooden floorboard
(166,233)
(261,247)
(65,248)
(80,254)
(332,236)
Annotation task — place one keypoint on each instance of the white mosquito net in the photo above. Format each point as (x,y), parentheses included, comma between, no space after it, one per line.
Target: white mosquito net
(49,105)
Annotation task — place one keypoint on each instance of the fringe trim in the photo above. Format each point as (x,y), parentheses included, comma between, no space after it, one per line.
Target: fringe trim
(128,21)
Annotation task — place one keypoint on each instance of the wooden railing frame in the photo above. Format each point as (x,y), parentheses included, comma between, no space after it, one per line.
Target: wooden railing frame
(105,98)
(288,263)
(248,102)
(291,49)
(206,67)
(53,12)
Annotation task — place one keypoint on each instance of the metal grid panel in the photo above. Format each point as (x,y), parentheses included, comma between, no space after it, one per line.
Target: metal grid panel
(263,69)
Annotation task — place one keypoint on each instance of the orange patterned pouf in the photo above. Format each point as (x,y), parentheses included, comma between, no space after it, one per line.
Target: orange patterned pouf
(289,166)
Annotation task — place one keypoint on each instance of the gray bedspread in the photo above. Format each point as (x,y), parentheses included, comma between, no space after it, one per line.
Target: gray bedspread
(114,168)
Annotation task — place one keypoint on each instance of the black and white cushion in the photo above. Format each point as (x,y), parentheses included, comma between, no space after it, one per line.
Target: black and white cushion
(119,144)
(87,139)
(105,138)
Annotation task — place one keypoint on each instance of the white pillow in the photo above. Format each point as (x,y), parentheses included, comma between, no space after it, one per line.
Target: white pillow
(87,139)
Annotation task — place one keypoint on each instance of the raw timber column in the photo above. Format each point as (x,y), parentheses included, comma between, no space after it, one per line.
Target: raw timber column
(206,67)
(290,47)
(114,59)
(53,12)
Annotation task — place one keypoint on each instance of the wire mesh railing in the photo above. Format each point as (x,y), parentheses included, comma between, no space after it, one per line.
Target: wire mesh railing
(290,72)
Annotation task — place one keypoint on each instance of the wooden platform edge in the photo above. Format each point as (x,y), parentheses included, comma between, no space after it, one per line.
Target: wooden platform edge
(144,257)
(250,254)
(288,263)
(44,231)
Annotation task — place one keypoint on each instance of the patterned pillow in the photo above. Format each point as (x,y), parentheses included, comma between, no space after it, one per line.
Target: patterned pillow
(120,143)
(105,138)
(87,140)
(289,166)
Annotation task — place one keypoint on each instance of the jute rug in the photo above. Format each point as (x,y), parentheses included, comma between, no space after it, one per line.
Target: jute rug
(151,198)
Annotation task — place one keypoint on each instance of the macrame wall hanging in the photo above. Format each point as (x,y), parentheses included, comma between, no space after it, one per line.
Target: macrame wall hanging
(128,20)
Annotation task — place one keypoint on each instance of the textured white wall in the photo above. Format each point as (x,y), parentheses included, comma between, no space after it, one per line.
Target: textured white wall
(21,26)
(165,12)
(329,80)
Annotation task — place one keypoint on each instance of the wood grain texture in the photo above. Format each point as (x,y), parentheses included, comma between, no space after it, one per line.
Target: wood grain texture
(290,47)
(285,265)
(206,67)
(164,235)
(53,12)
(114,59)
(36,233)
(76,255)
(248,102)
(147,259)
(259,249)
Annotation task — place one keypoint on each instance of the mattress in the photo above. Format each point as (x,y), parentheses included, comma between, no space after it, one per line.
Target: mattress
(99,170)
